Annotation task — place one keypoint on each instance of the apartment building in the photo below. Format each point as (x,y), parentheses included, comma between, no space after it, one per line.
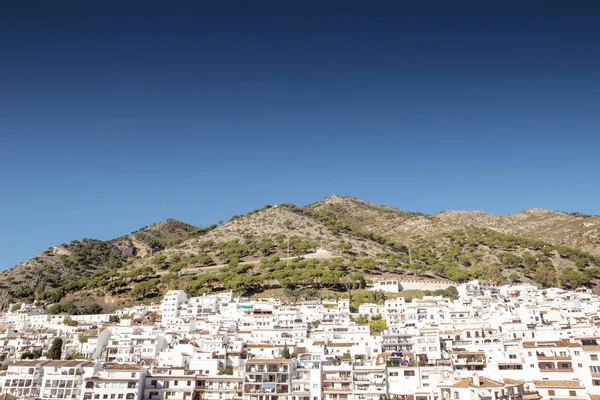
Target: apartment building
(22,379)
(115,382)
(219,387)
(169,383)
(268,379)
(63,379)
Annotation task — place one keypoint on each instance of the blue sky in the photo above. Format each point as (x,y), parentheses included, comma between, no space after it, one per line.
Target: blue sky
(119,115)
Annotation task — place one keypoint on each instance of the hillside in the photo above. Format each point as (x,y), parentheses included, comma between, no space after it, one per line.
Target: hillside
(88,257)
(559,228)
(274,247)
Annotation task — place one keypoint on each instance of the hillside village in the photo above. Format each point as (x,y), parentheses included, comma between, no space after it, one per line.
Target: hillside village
(491,342)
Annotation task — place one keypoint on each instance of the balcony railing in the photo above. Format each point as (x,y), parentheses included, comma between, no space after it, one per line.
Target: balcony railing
(336,389)
(337,378)
(556,369)
(559,358)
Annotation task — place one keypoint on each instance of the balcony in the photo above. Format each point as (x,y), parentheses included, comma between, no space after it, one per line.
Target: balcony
(335,389)
(557,370)
(300,389)
(558,367)
(402,364)
(337,378)
(469,361)
(557,358)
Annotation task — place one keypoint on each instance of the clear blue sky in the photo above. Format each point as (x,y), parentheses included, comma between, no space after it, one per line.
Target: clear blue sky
(118,114)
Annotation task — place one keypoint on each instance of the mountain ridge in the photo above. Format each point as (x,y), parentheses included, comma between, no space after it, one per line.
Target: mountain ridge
(363,240)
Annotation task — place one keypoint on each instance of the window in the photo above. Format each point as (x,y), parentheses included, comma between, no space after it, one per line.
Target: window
(594,357)
(596,382)
(393,374)
(512,356)
(153,383)
(595,369)
(576,353)
(175,383)
(572,393)
(580,365)
(96,396)
(409,373)
(133,374)
(529,354)
(189,383)
(550,392)
(120,395)
(105,396)
(113,396)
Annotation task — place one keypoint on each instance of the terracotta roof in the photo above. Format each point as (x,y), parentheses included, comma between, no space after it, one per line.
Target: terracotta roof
(27,363)
(534,396)
(100,379)
(219,378)
(508,381)
(127,367)
(67,364)
(569,398)
(556,343)
(556,383)
(269,361)
(345,344)
(483,383)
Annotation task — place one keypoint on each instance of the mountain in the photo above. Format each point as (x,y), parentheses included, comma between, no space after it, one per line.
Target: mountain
(276,247)
(559,228)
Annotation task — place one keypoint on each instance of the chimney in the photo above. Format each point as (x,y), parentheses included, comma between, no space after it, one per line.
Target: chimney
(475,379)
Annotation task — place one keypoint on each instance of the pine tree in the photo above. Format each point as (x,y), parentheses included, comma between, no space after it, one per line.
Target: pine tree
(286,352)
(55,351)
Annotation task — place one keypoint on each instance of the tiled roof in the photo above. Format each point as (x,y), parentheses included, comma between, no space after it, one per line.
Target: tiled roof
(508,381)
(269,361)
(341,344)
(67,364)
(556,383)
(27,363)
(483,383)
(127,367)
(556,343)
